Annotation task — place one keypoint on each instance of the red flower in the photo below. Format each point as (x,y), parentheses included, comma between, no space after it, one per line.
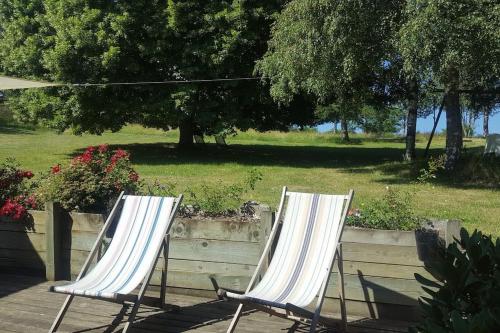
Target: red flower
(119,154)
(55,169)
(90,150)
(103,148)
(133,176)
(28,174)
(13,209)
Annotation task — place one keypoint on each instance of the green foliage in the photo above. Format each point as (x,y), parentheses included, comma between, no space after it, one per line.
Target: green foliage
(92,181)
(439,35)
(117,41)
(380,120)
(159,189)
(393,211)
(333,50)
(466,298)
(434,166)
(221,199)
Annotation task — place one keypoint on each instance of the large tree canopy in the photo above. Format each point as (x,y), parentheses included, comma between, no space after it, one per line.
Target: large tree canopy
(334,50)
(115,41)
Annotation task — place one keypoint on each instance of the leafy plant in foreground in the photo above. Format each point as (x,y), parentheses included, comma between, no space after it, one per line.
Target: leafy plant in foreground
(466,298)
(223,199)
(391,212)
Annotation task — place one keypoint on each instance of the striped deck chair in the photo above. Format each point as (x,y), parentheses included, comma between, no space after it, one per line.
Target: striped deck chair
(141,234)
(302,260)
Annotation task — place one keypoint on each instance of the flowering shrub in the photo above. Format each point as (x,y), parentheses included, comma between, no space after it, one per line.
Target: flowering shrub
(91,181)
(14,198)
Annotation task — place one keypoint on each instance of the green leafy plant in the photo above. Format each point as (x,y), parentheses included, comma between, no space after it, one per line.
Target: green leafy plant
(92,180)
(164,189)
(434,165)
(465,298)
(392,212)
(220,199)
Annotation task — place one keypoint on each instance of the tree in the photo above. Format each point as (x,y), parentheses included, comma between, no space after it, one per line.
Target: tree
(458,41)
(329,49)
(116,41)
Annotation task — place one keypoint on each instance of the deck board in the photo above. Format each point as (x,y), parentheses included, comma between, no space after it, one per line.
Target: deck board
(28,306)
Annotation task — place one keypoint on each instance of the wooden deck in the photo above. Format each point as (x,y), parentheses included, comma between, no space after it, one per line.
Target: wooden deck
(27,306)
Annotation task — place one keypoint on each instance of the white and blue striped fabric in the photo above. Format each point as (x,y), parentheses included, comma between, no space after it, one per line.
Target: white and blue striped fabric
(143,224)
(304,253)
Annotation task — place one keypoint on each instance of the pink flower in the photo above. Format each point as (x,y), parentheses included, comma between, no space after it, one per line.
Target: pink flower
(133,176)
(55,169)
(103,148)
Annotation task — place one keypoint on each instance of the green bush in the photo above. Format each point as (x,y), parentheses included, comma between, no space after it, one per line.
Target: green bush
(434,166)
(159,189)
(391,212)
(220,199)
(92,181)
(466,298)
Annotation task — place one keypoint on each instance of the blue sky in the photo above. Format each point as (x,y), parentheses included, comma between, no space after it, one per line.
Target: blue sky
(425,125)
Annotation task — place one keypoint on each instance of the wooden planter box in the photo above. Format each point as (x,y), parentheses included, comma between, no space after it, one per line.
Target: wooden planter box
(379,265)
(23,247)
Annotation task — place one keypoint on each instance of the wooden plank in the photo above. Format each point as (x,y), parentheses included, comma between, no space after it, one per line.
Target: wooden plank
(377,289)
(386,254)
(22,241)
(383,270)
(216,229)
(196,249)
(22,258)
(216,251)
(381,237)
(22,227)
(92,223)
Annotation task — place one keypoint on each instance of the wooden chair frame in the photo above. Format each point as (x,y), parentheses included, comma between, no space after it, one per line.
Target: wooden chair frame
(291,311)
(125,299)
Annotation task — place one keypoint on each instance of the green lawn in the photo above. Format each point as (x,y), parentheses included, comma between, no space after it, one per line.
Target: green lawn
(305,161)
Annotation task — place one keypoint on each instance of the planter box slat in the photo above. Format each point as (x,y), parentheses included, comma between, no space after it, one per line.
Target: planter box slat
(378,253)
(191,266)
(86,222)
(22,241)
(216,230)
(382,270)
(22,258)
(381,237)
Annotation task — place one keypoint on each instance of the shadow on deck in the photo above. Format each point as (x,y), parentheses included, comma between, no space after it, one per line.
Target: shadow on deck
(27,306)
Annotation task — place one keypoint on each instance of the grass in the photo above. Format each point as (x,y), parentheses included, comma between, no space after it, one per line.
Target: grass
(305,161)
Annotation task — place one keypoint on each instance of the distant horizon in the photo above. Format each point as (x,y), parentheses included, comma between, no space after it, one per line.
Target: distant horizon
(424,125)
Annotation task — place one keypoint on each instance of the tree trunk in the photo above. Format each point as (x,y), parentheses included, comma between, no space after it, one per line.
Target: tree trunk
(454,131)
(411,121)
(486,121)
(186,132)
(344,130)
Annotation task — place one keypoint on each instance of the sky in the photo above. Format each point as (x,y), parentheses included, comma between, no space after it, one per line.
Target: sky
(425,125)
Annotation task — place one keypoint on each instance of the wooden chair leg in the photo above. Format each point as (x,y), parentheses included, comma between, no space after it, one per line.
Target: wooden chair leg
(163,290)
(236,318)
(61,314)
